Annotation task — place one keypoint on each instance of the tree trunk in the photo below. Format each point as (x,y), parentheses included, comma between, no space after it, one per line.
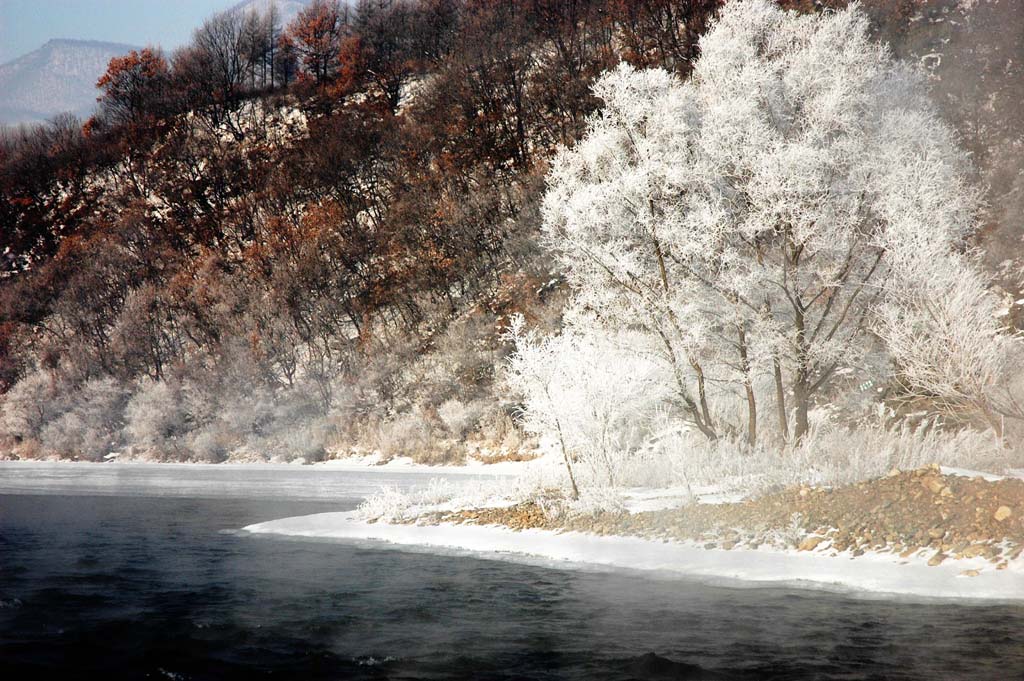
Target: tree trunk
(780,400)
(702,394)
(802,402)
(748,388)
(700,422)
(568,461)
(801,388)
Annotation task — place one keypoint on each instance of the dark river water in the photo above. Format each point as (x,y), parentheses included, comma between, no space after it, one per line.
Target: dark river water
(130,587)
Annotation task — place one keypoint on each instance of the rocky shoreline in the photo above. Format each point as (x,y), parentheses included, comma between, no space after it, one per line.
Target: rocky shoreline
(923,513)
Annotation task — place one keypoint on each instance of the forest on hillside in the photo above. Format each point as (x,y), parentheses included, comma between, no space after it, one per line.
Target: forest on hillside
(302,240)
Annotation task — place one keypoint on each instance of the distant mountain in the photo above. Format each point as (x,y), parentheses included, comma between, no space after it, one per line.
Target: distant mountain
(59,76)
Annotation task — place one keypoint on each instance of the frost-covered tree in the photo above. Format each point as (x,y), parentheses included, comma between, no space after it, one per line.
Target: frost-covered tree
(769,220)
(596,395)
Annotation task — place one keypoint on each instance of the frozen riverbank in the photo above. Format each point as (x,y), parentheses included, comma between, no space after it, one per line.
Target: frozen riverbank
(870,573)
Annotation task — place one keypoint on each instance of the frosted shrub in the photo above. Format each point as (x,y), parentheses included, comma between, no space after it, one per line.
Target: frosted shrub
(943,335)
(405,435)
(156,419)
(863,453)
(460,418)
(498,428)
(71,437)
(1009,398)
(393,505)
(411,435)
(304,440)
(34,401)
(389,505)
(466,351)
(211,445)
(260,424)
(91,427)
(645,467)
(830,455)
(513,439)
(247,415)
(296,427)
(459,366)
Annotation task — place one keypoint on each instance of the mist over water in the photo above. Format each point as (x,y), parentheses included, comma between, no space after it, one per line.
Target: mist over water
(306,483)
(137,587)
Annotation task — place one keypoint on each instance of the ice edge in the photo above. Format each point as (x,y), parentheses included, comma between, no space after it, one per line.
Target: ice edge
(872,573)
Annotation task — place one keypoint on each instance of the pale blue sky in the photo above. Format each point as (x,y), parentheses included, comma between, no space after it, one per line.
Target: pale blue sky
(27,24)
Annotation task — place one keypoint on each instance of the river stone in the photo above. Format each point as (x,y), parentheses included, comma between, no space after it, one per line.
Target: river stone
(810,543)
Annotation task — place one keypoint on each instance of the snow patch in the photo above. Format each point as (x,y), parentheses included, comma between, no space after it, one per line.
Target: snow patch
(644,499)
(967,473)
(373,461)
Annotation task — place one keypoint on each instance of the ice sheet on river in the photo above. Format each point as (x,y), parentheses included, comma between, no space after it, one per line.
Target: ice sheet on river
(874,573)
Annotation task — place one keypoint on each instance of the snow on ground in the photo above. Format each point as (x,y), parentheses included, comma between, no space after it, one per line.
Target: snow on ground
(991,477)
(873,573)
(642,499)
(405,463)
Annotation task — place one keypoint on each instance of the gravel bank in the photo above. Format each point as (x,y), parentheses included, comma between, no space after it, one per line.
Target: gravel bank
(921,512)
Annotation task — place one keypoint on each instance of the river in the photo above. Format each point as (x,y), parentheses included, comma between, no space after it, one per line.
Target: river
(128,572)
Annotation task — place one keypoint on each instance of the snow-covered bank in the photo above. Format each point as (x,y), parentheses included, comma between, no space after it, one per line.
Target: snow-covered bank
(472,465)
(870,573)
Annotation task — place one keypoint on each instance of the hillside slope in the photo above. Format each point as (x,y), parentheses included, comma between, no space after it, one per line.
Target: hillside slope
(318,247)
